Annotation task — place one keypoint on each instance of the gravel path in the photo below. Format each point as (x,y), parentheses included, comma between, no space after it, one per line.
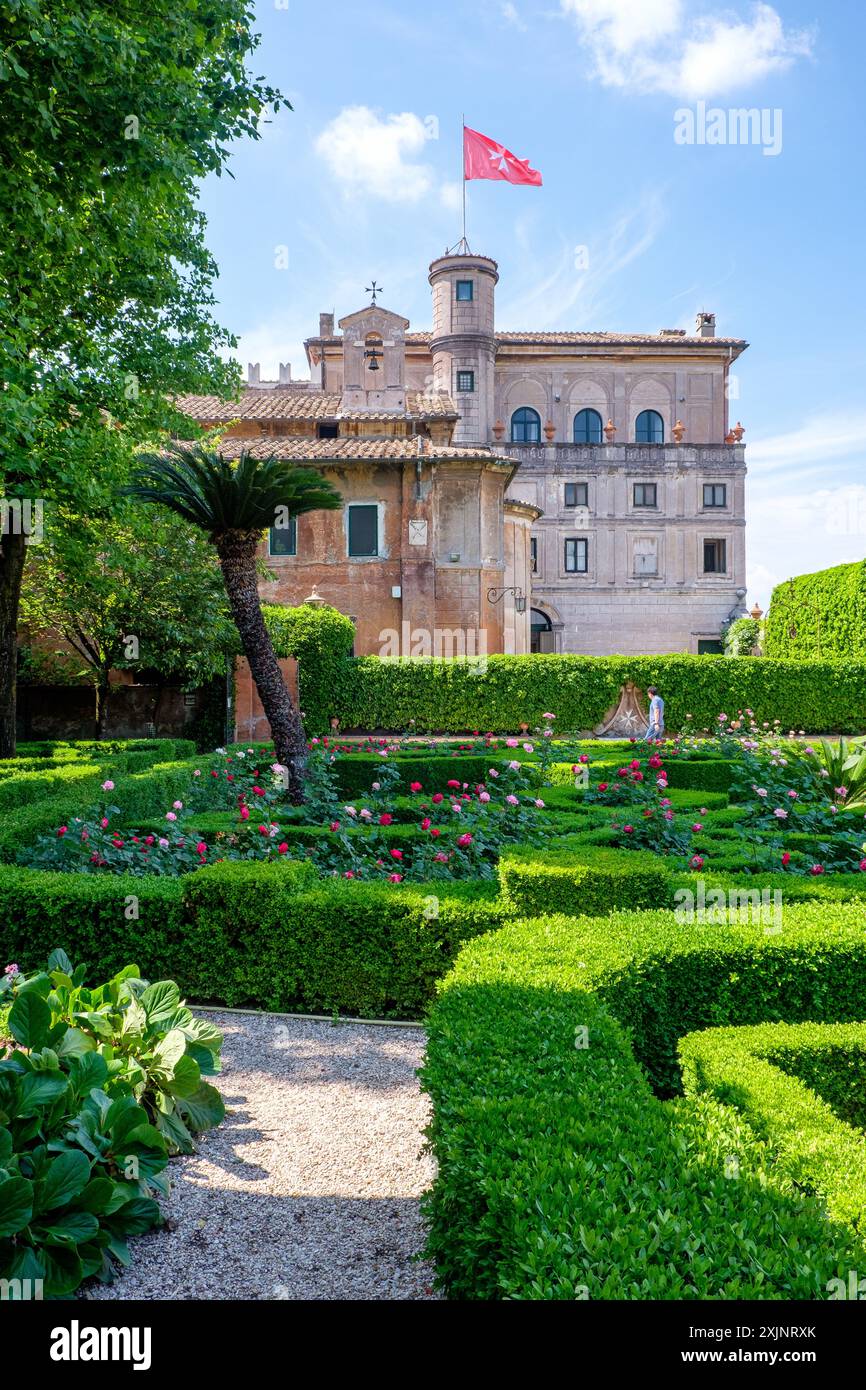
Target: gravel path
(309,1189)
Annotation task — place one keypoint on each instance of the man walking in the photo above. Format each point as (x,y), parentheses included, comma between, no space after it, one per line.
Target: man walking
(656,726)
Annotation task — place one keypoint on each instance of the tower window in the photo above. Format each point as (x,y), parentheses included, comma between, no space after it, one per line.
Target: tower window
(465,290)
(587,427)
(526,426)
(649,428)
(576,555)
(533,554)
(327,429)
(283,540)
(363,528)
(715,495)
(645,495)
(465,381)
(715,557)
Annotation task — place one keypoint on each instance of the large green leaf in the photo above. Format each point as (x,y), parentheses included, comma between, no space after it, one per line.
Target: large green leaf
(16,1205)
(186,1078)
(59,960)
(65,1178)
(160,1002)
(135,1216)
(30,1020)
(63,1271)
(204,1109)
(169,1050)
(96,1196)
(75,1043)
(37,1090)
(67,1228)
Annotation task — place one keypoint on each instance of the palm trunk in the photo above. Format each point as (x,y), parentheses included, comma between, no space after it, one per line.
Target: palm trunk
(237,557)
(13,552)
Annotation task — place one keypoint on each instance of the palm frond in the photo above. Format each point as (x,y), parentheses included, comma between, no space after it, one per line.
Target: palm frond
(217,495)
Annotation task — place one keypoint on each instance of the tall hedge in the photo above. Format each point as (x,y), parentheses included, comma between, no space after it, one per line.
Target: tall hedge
(819,615)
(320,640)
(455,695)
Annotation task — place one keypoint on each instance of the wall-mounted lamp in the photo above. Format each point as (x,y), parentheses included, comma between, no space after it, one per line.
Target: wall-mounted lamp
(494,595)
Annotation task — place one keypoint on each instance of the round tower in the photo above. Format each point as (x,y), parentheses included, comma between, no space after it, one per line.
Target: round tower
(464,342)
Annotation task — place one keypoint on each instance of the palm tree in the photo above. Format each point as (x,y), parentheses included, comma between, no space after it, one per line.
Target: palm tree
(233,504)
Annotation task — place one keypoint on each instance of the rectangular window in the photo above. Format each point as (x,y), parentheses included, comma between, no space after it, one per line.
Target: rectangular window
(577,494)
(715,494)
(710,647)
(646,560)
(715,557)
(645,495)
(363,529)
(576,555)
(283,540)
(465,381)
(533,554)
(465,290)
(327,429)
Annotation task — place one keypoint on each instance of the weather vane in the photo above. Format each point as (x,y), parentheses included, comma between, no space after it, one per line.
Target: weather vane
(373,289)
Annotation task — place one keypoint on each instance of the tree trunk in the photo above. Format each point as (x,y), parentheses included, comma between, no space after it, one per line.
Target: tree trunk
(13,553)
(103,699)
(237,557)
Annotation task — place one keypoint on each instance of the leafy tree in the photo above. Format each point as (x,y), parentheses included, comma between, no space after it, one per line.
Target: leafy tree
(111,113)
(133,591)
(233,503)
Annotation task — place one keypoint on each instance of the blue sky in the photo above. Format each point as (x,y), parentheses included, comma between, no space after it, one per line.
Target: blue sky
(362,179)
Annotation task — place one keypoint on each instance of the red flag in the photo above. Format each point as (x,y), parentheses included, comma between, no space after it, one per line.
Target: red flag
(483,158)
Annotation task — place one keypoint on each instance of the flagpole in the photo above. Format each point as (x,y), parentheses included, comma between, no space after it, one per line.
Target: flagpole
(463,165)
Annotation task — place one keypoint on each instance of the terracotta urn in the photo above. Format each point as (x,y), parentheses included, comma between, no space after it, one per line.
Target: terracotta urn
(729,438)
(609,431)
(738,432)
(549,431)
(678,432)
(498,429)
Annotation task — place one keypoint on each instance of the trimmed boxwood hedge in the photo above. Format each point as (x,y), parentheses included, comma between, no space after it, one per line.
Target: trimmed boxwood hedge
(444,695)
(801,1087)
(819,615)
(585,882)
(269,935)
(560,1175)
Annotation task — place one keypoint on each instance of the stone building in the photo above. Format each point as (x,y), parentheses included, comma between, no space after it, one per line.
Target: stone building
(507,491)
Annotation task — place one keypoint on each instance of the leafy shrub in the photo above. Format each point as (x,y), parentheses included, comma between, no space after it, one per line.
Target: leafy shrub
(445,695)
(273,936)
(791,1082)
(819,615)
(99,1087)
(587,882)
(321,640)
(560,1176)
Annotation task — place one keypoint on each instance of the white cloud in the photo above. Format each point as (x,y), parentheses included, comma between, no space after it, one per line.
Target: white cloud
(511,15)
(373,155)
(805,508)
(838,436)
(573,289)
(657,46)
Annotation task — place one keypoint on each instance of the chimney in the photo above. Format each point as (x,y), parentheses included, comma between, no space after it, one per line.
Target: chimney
(254,370)
(285,373)
(326,325)
(706,325)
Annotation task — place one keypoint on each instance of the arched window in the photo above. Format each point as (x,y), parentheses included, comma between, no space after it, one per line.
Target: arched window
(526,426)
(587,427)
(649,428)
